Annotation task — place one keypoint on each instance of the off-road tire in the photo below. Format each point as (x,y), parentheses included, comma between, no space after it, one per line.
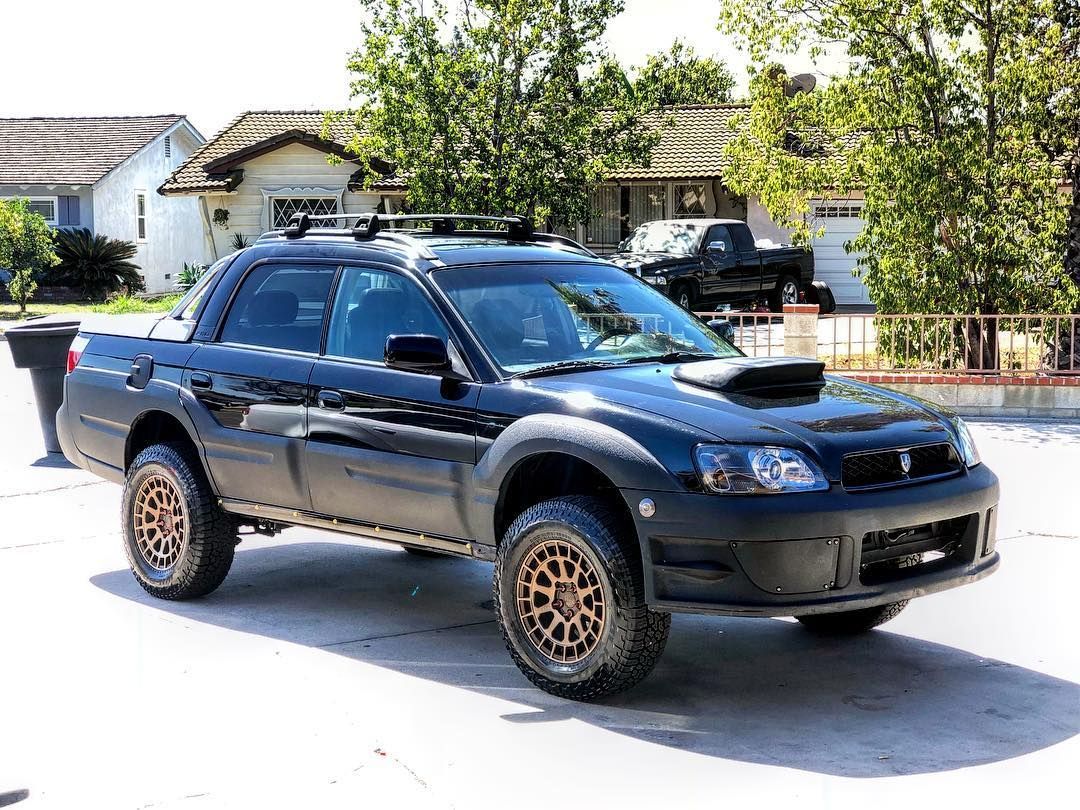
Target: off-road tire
(211,534)
(633,636)
(853,622)
(684,289)
(776,297)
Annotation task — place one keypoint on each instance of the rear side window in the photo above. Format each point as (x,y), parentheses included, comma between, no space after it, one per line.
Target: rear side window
(280,307)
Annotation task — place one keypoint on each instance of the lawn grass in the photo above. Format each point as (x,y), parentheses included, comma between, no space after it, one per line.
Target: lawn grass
(9,312)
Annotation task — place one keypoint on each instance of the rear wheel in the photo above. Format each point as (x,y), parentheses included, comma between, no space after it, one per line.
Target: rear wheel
(786,292)
(179,543)
(570,599)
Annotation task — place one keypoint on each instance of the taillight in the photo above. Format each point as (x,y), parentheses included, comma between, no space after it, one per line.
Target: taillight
(78,345)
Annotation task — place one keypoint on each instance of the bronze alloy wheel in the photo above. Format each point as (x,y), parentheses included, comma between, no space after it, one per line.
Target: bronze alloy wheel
(560,601)
(159,520)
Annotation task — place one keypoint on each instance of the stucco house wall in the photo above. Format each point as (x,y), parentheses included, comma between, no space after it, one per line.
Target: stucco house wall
(173,226)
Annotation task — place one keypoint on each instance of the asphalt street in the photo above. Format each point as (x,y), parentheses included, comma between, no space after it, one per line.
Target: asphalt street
(328,673)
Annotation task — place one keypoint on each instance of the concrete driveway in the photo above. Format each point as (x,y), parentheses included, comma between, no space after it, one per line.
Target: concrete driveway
(330,673)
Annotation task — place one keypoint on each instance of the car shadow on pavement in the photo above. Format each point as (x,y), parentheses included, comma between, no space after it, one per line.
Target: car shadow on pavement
(752,690)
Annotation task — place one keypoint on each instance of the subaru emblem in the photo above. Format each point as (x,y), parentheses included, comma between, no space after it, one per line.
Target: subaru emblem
(905,463)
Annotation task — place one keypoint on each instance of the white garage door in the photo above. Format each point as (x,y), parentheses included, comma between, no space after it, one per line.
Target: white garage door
(832,264)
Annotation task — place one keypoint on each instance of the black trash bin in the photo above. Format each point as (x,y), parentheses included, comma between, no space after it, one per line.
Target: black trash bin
(41,345)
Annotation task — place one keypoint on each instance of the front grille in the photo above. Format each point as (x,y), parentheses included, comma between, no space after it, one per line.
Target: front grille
(885,468)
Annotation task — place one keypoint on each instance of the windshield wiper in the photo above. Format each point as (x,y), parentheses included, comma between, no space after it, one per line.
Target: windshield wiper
(558,368)
(674,357)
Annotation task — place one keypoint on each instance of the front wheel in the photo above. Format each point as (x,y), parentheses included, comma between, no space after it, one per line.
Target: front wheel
(786,292)
(570,598)
(683,295)
(179,543)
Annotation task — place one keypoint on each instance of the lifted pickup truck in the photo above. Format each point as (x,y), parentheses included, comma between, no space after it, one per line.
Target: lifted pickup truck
(508,396)
(715,261)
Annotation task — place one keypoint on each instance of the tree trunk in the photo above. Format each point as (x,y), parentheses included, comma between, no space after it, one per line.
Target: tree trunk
(980,343)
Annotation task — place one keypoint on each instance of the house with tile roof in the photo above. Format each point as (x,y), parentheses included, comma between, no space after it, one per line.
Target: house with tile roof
(101,174)
(265,166)
(685,179)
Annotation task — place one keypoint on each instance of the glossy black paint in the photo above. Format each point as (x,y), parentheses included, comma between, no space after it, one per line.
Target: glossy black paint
(425,354)
(252,420)
(398,436)
(431,453)
(741,272)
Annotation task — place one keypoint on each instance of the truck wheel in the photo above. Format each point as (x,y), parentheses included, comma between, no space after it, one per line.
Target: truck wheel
(683,295)
(786,292)
(179,544)
(852,622)
(570,598)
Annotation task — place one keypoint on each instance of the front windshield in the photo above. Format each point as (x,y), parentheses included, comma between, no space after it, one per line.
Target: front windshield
(665,237)
(528,316)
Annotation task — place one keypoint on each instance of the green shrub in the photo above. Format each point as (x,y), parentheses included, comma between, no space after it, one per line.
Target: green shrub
(96,264)
(25,248)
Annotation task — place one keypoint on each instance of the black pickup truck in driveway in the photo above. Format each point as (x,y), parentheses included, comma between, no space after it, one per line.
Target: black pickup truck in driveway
(715,261)
(508,396)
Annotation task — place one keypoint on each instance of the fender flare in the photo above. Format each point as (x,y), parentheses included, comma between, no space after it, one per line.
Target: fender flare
(620,457)
(168,399)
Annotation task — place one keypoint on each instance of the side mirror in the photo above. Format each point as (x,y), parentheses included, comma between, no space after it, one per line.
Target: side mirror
(719,246)
(724,328)
(423,354)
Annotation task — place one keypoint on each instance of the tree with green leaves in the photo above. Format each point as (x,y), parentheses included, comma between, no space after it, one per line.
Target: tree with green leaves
(26,248)
(497,109)
(677,76)
(932,119)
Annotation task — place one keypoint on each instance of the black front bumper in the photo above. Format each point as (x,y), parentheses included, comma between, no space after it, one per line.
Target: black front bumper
(797,554)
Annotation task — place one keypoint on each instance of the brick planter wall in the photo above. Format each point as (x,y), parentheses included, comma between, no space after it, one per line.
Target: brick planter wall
(990,394)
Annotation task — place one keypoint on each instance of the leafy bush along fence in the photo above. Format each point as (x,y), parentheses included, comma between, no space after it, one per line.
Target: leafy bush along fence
(1010,345)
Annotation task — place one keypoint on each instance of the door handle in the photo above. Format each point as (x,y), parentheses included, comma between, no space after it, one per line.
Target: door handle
(331,401)
(201,381)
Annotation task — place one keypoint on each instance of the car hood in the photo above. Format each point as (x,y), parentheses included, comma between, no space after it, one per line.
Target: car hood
(839,418)
(648,262)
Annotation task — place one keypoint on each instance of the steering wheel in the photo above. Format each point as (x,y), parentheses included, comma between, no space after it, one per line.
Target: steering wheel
(610,333)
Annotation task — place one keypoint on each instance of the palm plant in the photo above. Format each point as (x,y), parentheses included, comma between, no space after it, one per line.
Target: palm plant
(239,241)
(96,264)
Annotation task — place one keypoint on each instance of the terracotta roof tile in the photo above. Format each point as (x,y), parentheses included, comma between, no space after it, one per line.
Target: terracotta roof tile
(245,131)
(72,150)
(692,142)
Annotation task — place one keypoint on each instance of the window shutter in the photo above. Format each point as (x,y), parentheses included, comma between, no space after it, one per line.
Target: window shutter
(68,213)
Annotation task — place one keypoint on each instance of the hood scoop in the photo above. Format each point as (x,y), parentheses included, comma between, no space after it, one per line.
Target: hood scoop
(758,376)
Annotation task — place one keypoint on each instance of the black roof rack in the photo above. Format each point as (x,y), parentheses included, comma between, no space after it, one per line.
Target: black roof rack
(518,228)
(368,225)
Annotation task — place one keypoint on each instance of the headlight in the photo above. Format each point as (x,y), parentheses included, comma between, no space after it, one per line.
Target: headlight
(757,470)
(658,281)
(967,444)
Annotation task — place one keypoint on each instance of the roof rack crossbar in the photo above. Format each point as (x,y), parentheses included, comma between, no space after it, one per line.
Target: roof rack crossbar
(368,225)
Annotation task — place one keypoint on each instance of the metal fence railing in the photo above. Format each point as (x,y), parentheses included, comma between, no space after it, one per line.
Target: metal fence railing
(1019,345)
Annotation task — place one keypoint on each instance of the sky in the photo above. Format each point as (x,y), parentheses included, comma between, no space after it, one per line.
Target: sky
(213,59)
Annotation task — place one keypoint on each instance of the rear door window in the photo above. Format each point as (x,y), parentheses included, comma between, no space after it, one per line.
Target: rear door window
(280,306)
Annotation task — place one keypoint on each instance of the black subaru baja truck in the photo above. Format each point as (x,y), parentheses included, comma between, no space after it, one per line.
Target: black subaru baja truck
(466,386)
